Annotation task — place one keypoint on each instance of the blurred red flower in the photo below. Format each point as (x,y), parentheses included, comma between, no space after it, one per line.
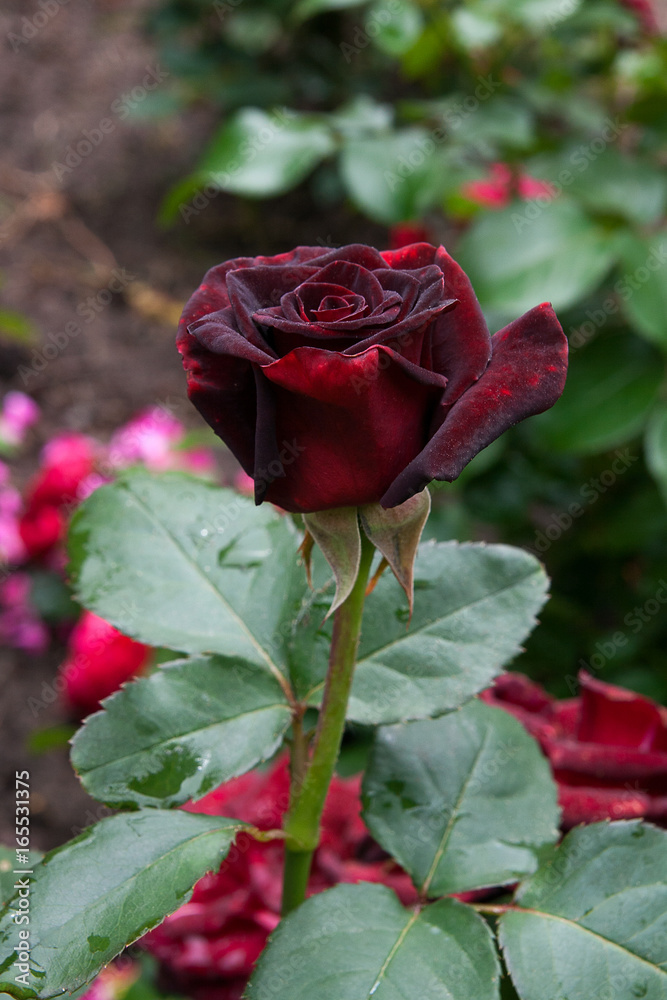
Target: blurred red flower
(67,461)
(497,190)
(99,658)
(607,747)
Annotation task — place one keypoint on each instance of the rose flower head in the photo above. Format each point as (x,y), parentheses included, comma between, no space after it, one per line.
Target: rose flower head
(347,377)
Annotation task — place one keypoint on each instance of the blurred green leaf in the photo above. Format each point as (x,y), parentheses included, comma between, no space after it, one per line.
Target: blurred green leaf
(50,738)
(528,253)
(309,8)
(17,327)
(619,185)
(643,285)
(611,386)
(475,29)
(255,154)
(656,447)
(394,177)
(362,115)
(398,25)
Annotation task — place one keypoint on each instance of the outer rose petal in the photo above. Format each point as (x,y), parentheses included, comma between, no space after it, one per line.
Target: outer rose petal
(223,390)
(526,375)
(347,425)
(615,717)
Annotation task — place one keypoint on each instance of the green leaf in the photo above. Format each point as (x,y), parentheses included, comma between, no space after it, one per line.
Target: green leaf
(103,890)
(177,734)
(656,447)
(474,604)
(357,941)
(528,253)
(611,386)
(395,28)
(595,918)
(643,285)
(619,185)
(462,802)
(259,155)
(9,869)
(309,8)
(394,177)
(175,562)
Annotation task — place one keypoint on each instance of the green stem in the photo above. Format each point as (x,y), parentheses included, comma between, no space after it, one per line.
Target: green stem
(302,824)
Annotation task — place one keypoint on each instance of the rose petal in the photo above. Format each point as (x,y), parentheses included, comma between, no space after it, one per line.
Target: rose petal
(461,342)
(344,443)
(526,375)
(604,764)
(614,716)
(592,805)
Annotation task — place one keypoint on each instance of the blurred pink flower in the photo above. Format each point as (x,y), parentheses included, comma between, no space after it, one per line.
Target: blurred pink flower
(19,412)
(12,549)
(20,625)
(148,438)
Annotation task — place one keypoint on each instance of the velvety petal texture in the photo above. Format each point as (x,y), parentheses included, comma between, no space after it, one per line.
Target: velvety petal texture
(607,747)
(349,376)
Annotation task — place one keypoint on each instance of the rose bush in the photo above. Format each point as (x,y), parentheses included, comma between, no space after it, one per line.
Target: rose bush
(346,377)
(607,747)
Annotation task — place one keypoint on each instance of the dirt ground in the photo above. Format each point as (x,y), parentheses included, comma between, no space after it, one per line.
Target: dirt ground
(82,258)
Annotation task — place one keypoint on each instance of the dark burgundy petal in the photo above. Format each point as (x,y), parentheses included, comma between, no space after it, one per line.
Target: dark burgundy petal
(526,375)
(354,253)
(431,301)
(614,716)
(460,344)
(212,293)
(223,390)
(217,333)
(345,425)
(408,258)
(356,279)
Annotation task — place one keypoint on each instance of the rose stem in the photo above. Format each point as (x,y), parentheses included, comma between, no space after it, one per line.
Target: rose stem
(302,823)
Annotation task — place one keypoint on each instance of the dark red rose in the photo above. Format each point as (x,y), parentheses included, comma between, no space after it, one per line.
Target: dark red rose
(607,748)
(350,376)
